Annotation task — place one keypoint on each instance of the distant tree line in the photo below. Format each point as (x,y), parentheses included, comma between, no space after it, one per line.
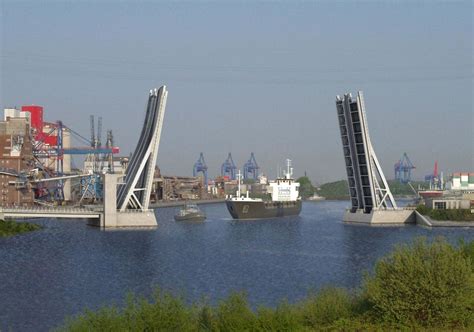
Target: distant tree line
(339,189)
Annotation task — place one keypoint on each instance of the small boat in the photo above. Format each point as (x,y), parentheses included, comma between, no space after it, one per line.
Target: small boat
(190,212)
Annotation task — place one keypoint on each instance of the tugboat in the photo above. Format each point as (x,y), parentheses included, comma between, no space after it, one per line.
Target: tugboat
(285,200)
(190,212)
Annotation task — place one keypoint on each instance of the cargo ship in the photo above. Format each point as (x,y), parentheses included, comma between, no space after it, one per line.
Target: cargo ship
(285,199)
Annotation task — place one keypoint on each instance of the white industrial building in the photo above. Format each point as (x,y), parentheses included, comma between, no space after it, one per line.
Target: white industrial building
(462,181)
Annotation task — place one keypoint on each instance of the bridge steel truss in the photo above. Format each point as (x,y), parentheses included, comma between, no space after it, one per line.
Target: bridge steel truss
(368,187)
(134,193)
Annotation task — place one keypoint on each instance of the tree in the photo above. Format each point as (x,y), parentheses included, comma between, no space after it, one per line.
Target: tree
(428,284)
(306,187)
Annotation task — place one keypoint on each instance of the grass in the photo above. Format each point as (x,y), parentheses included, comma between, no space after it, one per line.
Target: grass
(10,228)
(423,286)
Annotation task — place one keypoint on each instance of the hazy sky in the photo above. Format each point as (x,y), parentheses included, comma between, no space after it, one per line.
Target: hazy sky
(246,76)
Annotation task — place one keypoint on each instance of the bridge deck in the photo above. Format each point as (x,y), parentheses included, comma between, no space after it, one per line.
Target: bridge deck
(41,212)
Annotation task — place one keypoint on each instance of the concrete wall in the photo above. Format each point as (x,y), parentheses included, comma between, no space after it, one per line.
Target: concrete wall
(130,218)
(381,217)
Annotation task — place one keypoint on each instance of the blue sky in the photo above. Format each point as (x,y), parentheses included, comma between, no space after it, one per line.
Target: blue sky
(251,77)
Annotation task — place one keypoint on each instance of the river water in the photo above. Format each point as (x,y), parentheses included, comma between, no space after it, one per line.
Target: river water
(69,266)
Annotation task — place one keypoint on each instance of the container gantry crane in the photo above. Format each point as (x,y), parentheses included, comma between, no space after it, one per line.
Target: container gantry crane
(251,168)
(403,169)
(200,167)
(228,168)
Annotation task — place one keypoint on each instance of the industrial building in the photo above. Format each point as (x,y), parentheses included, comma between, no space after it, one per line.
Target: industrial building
(16,152)
(116,164)
(462,181)
(447,203)
(170,188)
(33,152)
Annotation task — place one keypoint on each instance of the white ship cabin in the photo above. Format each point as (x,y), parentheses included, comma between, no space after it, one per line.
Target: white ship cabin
(285,188)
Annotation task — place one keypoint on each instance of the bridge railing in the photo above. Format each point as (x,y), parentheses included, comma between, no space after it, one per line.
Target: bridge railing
(46,210)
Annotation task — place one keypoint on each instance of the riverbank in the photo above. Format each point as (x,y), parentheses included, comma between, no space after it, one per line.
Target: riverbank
(425,220)
(10,228)
(436,295)
(446,218)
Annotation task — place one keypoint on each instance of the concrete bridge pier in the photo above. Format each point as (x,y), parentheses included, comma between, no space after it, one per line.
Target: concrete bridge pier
(112,217)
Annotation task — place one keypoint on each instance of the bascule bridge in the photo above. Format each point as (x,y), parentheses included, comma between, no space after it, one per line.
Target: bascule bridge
(126,203)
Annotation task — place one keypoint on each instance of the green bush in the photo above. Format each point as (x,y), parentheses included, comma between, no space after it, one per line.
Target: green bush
(234,314)
(164,313)
(454,214)
(467,249)
(326,307)
(423,284)
(422,209)
(9,228)
(284,318)
(306,187)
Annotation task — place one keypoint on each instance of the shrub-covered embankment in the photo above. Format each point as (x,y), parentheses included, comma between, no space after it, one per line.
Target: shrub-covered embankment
(449,215)
(424,286)
(9,228)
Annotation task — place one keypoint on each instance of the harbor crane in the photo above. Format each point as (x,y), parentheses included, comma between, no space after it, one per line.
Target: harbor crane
(403,169)
(228,168)
(251,168)
(435,179)
(200,167)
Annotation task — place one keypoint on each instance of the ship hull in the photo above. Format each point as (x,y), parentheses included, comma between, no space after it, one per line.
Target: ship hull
(261,209)
(190,217)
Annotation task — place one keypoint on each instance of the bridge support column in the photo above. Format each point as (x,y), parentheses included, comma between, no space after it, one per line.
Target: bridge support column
(109,219)
(128,218)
